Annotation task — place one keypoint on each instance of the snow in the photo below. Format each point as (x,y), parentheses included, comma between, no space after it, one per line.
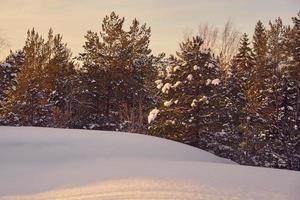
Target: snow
(194,103)
(158,81)
(5,64)
(290,108)
(161,74)
(196,67)
(215,81)
(210,65)
(208,81)
(190,77)
(159,84)
(170,122)
(168,103)
(43,164)
(203,98)
(176,68)
(176,84)
(152,115)
(166,88)
(13,74)
(169,70)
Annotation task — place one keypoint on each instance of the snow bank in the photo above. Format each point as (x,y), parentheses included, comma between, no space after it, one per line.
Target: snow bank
(77,164)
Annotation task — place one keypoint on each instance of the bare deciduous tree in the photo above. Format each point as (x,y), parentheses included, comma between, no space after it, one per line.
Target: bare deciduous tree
(223,44)
(3,46)
(230,38)
(210,35)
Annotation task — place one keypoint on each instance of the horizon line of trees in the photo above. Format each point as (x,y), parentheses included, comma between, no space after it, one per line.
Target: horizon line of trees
(238,101)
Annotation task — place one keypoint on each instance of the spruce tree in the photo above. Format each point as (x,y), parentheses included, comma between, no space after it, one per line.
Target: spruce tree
(9,70)
(257,128)
(189,89)
(239,82)
(289,117)
(237,85)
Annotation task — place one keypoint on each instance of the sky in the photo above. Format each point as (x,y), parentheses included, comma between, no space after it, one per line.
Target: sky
(168,19)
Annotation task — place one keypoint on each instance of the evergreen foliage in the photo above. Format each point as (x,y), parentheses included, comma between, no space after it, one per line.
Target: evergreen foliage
(248,112)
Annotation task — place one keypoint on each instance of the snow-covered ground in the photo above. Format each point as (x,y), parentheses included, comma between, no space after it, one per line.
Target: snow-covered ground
(43,164)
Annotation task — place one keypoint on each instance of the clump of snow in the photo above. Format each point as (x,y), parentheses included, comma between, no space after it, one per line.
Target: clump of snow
(203,98)
(92,126)
(168,103)
(166,88)
(176,102)
(169,70)
(210,65)
(170,122)
(194,103)
(152,115)
(161,74)
(7,65)
(215,81)
(159,84)
(176,84)
(208,81)
(13,75)
(176,68)
(189,77)
(290,108)
(191,119)
(195,67)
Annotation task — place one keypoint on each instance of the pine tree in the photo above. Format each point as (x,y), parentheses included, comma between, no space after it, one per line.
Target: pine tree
(117,67)
(40,74)
(59,73)
(269,125)
(275,150)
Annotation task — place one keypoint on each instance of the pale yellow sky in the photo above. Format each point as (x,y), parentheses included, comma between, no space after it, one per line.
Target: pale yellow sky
(168,18)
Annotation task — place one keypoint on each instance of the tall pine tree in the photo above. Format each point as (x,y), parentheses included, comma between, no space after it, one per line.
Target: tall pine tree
(117,68)
(39,78)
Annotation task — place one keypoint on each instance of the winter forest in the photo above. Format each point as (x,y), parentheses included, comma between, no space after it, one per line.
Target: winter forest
(224,92)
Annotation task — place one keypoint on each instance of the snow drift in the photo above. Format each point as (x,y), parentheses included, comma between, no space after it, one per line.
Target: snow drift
(44,163)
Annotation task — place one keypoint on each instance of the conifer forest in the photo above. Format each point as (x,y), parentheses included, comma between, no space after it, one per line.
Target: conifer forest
(232,94)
